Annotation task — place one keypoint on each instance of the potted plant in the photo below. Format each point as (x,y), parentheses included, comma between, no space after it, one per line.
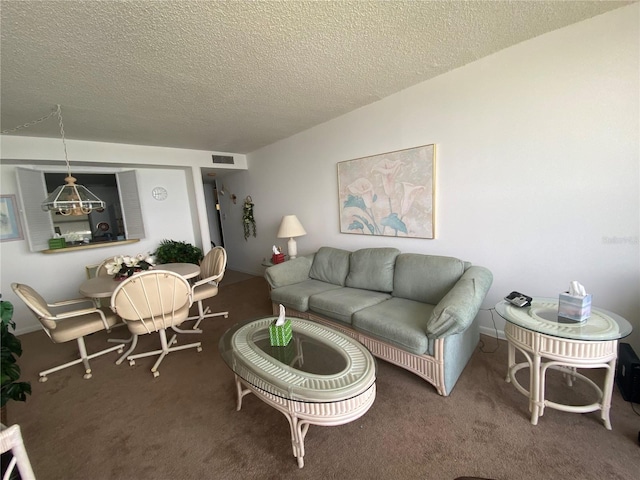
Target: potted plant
(11,349)
(172,251)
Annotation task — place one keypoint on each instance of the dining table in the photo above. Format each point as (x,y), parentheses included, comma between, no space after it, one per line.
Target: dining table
(104,286)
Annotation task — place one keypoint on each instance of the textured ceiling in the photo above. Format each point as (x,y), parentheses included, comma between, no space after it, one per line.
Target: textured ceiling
(236,76)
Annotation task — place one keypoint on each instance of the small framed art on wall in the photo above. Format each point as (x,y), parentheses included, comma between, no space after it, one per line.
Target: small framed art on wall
(10,227)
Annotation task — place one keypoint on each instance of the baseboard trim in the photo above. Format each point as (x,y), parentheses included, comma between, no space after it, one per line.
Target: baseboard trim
(489,331)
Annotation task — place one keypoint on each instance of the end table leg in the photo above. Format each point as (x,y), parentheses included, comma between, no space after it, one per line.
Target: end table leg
(511,360)
(606,393)
(570,376)
(536,390)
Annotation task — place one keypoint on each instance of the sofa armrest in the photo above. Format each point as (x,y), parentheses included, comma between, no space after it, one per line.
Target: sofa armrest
(290,272)
(457,310)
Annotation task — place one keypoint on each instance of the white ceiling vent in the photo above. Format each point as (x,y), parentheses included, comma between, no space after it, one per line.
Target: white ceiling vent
(228,159)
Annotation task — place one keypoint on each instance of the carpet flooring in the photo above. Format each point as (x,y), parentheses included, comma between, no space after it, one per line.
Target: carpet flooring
(233,276)
(125,424)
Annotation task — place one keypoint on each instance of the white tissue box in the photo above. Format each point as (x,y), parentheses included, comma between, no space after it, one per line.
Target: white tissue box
(574,308)
(280,336)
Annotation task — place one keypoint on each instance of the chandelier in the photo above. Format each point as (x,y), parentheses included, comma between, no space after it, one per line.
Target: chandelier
(70,199)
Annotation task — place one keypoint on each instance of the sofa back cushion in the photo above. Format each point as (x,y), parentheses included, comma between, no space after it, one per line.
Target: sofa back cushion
(372,269)
(330,265)
(425,278)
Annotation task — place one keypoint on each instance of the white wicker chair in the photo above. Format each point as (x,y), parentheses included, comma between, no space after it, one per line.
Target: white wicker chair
(11,441)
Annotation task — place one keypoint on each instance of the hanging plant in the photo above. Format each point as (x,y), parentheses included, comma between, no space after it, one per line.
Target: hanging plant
(248,221)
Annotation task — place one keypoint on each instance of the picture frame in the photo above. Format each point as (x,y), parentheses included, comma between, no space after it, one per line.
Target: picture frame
(10,226)
(389,194)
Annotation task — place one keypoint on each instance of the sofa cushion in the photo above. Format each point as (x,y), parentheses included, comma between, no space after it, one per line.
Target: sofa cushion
(330,265)
(425,278)
(297,295)
(372,269)
(398,321)
(342,303)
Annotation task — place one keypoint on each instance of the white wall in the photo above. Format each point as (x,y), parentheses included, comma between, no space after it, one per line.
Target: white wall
(57,276)
(537,168)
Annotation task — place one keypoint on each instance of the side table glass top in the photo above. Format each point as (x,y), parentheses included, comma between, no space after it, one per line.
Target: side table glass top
(542,317)
(318,365)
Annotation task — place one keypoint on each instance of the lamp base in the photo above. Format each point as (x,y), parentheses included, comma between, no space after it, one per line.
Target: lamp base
(292,248)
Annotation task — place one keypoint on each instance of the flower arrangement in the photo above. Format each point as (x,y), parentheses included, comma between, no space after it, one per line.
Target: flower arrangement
(123,266)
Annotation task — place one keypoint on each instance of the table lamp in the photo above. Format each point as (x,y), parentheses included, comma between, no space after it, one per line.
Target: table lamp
(291,227)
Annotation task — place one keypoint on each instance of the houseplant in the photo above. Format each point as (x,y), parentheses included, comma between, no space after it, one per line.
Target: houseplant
(172,251)
(10,349)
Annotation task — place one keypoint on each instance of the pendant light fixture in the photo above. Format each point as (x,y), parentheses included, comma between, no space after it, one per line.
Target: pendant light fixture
(70,199)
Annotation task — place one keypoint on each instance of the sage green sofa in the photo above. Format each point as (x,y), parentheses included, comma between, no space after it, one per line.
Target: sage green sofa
(415,311)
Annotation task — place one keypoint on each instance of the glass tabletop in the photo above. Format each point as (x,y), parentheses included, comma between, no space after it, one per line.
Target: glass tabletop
(542,317)
(319,364)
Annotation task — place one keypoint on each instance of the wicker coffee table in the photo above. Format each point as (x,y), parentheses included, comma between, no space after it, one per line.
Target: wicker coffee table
(322,377)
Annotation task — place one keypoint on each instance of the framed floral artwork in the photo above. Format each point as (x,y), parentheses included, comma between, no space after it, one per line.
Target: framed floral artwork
(10,228)
(390,194)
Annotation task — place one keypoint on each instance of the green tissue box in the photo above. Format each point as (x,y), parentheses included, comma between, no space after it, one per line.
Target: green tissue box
(57,243)
(280,336)
(286,354)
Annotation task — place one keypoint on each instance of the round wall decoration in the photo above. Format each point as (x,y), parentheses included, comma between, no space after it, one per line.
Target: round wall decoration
(159,193)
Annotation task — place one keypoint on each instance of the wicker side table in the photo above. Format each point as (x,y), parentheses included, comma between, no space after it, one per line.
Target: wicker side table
(548,343)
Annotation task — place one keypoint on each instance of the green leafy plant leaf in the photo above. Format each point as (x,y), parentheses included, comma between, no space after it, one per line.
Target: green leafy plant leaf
(173,251)
(10,350)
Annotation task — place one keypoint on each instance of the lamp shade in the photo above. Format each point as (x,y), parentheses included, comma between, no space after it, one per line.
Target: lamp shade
(290,227)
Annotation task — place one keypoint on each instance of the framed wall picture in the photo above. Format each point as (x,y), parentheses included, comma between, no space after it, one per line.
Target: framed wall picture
(10,227)
(390,194)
